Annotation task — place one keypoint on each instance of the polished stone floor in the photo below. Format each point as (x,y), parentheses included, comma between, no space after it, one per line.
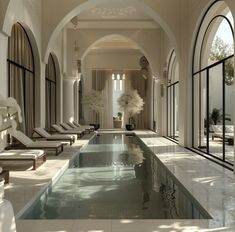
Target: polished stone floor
(212,185)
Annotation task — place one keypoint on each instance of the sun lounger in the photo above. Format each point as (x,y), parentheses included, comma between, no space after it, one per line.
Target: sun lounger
(92,128)
(86,128)
(36,156)
(30,144)
(69,128)
(60,130)
(229,133)
(55,137)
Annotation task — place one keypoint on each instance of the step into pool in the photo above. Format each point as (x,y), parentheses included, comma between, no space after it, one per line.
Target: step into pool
(115,177)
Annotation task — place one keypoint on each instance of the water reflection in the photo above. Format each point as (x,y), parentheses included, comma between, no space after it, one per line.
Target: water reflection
(116,177)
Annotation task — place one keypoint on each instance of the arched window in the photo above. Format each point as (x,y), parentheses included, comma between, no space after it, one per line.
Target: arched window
(21,76)
(213,74)
(50,92)
(172,97)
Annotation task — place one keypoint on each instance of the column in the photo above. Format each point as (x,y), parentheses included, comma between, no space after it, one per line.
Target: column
(68,100)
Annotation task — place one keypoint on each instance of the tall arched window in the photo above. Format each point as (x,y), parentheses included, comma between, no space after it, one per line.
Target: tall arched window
(172,97)
(21,76)
(213,74)
(50,92)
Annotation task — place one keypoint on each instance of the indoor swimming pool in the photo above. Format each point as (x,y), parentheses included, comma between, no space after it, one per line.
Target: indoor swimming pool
(116,176)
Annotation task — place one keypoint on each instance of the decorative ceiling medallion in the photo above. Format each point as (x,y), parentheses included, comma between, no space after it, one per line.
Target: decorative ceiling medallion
(110,13)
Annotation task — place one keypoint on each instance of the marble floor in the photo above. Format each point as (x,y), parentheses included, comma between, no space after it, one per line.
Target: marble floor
(212,185)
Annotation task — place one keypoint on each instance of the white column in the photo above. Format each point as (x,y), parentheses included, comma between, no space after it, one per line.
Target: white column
(68,100)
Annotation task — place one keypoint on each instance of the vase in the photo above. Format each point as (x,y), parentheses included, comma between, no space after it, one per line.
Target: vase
(96,126)
(130,127)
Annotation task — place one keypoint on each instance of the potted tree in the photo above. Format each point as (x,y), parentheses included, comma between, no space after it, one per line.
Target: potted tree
(94,100)
(131,103)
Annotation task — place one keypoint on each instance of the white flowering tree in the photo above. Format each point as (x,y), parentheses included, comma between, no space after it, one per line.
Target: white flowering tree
(131,103)
(95,101)
(8,110)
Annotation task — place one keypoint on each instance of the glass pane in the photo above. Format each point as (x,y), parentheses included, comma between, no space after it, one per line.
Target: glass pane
(29,103)
(176,129)
(229,110)
(53,104)
(216,111)
(200,122)
(168,112)
(47,104)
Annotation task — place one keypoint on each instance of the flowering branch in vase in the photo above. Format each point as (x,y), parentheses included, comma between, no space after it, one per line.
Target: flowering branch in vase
(8,110)
(95,101)
(131,103)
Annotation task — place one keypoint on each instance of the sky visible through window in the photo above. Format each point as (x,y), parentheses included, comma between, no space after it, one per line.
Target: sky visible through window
(224,31)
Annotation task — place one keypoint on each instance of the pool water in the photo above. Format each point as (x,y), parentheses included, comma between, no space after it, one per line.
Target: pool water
(114,177)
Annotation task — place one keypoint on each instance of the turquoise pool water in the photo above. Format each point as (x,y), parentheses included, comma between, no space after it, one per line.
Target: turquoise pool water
(116,176)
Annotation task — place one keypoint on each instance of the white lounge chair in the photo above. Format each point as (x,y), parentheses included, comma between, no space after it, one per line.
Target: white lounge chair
(30,144)
(36,156)
(69,128)
(86,128)
(60,130)
(218,133)
(55,137)
(92,128)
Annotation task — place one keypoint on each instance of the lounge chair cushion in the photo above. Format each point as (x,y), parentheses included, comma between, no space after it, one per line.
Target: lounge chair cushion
(44,144)
(58,128)
(66,126)
(217,128)
(42,132)
(21,137)
(46,135)
(21,154)
(229,129)
(26,141)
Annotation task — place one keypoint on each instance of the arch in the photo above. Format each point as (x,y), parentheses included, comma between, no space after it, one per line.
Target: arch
(88,4)
(103,37)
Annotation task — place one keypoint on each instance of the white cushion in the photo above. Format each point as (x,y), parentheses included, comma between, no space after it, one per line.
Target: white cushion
(44,144)
(66,126)
(42,132)
(21,137)
(72,125)
(217,128)
(21,154)
(229,129)
(61,137)
(58,128)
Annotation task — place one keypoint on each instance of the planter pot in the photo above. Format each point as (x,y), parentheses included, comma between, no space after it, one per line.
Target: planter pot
(130,127)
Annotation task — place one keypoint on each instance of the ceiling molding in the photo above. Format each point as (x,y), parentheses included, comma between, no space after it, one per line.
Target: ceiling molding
(116,51)
(120,24)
